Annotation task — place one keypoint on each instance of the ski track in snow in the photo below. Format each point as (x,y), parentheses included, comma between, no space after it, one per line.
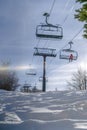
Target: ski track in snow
(63,110)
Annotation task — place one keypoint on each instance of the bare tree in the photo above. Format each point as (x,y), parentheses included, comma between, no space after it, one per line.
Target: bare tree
(78,80)
(8,78)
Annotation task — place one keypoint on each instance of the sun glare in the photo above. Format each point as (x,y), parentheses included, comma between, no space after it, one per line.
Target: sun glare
(22,67)
(17,68)
(83,65)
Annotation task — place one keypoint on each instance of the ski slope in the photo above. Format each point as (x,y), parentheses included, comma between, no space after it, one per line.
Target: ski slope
(63,110)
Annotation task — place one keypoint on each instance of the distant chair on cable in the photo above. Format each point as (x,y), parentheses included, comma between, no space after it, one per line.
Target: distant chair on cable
(68,54)
(49,31)
(31,71)
(26,88)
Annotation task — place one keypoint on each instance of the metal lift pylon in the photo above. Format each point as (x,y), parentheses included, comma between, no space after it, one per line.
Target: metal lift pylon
(45,52)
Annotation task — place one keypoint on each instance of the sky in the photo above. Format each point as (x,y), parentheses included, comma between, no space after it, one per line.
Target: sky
(18,21)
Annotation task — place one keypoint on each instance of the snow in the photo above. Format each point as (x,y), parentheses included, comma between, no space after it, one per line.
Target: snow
(61,110)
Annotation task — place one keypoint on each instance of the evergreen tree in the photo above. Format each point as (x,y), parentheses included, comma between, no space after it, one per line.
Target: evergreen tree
(81,15)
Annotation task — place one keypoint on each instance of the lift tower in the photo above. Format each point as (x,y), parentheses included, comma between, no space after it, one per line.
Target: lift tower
(44,52)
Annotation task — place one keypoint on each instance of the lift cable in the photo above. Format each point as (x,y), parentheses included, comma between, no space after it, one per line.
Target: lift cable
(72,38)
(77,34)
(66,17)
(69,12)
(52,7)
(66,4)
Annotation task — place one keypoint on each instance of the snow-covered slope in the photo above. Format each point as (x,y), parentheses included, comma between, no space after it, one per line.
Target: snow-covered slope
(65,110)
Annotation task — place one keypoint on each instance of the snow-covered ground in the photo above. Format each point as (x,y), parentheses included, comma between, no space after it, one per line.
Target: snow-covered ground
(63,110)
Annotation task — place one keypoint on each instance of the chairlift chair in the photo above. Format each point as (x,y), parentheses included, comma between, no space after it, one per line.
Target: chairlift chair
(49,31)
(31,72)
(45,52)
(27,85)
(65,53)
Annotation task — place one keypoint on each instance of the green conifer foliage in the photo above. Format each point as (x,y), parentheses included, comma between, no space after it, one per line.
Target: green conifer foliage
(81,15)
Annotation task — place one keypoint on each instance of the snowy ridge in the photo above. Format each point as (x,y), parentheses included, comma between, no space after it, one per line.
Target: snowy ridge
(63,110)
(10,118)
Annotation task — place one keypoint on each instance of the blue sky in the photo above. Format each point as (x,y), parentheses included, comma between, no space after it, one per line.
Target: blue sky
(18,21)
